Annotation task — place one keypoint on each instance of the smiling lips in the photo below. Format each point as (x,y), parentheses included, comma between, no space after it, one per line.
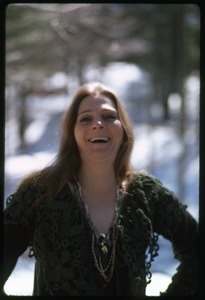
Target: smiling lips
(99,139)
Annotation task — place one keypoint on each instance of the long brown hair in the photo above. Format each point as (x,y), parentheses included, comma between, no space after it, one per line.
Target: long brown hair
(67,162)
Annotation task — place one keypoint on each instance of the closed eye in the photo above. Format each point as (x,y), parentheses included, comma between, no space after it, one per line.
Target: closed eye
(110,117)
(85,119)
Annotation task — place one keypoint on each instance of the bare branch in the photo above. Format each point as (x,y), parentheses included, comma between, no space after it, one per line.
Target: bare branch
(61,8)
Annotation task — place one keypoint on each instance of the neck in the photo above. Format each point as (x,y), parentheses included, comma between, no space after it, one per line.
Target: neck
(98,181)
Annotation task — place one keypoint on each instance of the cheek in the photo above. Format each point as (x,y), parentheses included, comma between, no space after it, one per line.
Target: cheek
(80,137)
(77,135)
(119,131)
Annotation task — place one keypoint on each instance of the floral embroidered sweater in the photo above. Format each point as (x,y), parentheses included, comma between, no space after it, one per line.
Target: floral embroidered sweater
(60,236)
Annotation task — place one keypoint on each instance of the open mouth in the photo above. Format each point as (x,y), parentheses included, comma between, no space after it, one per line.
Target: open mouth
(100,139)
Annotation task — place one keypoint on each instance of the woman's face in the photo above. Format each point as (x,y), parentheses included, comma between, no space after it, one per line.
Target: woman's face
(98,130)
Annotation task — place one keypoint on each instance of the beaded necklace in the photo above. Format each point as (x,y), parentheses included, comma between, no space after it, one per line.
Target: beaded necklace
(102,243)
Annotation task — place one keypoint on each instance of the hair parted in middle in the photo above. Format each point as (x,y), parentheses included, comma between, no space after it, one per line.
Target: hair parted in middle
(69,153)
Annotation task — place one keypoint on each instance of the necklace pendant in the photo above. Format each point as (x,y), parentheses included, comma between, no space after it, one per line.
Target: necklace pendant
(104,250)
(102,243)
(101,238)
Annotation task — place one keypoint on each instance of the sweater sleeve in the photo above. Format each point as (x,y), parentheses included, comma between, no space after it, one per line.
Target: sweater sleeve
(18,225)
(175,223)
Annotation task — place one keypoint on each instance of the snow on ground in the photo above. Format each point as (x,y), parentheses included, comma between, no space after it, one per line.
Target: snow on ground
(156,148)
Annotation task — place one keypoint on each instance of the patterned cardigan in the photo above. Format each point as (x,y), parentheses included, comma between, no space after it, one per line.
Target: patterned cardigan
(59,235)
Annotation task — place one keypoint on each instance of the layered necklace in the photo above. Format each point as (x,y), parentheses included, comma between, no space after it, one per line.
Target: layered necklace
(103,246)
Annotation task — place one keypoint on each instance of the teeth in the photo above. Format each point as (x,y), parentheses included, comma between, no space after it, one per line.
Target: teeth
(100,138)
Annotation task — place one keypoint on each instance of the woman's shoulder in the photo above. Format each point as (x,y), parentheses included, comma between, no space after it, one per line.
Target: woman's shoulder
(20,203)
(142,178)
(26,191)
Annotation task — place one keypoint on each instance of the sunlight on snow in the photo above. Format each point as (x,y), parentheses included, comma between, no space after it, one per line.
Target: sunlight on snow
(26,163)
(113,75)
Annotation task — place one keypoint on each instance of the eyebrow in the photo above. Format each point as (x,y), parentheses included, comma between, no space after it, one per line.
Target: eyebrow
(84,111)
(104,110)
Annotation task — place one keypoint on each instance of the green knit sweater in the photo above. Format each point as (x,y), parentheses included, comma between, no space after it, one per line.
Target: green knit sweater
(59,234)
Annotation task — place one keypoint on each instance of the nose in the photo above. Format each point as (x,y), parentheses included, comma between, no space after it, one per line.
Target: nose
(98,124)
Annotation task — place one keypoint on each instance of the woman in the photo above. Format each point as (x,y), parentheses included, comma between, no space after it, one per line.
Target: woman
(90,220)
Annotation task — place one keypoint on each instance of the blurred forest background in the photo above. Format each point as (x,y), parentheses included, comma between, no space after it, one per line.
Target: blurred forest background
(82,41)
(149,53)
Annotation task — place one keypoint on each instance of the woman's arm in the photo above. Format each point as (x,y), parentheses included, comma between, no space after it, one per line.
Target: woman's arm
(184,241)
(175,223)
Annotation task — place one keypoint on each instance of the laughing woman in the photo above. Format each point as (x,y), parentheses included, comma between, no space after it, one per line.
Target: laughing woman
(91,221)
